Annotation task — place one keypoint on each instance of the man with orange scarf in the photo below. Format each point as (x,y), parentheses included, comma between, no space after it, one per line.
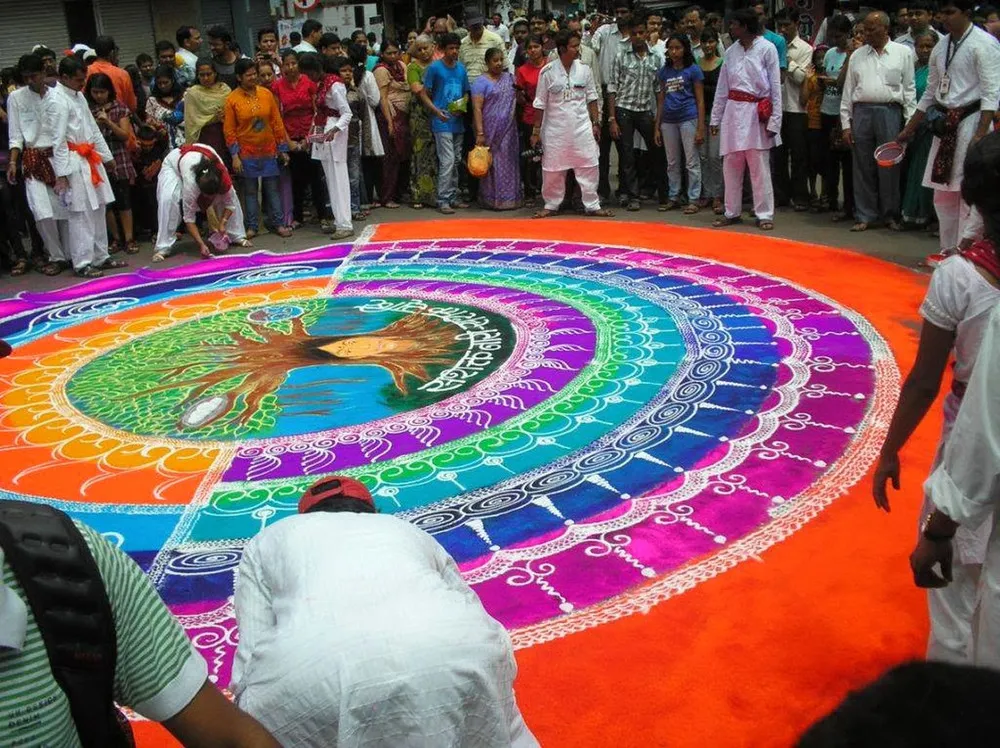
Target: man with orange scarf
(78,156)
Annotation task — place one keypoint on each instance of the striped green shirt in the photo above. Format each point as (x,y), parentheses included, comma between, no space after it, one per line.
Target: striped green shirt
(158,672)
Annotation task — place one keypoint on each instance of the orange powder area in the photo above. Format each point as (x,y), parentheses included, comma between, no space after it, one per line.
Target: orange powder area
(752,657)
(53,452)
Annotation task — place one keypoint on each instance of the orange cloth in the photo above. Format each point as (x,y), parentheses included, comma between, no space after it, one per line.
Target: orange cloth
(812,99)
(92,157)
(119,79)
(241,112)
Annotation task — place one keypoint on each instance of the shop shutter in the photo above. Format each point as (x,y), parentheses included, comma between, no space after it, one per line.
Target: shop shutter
(25,24)
(130,22)
(215,13)
(258,16)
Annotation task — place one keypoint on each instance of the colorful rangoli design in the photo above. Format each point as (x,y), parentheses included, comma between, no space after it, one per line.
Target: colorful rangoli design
(587,429)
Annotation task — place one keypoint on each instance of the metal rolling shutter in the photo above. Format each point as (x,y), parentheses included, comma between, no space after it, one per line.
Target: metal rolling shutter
(25,24)
(130,22)
(215,13)
(258,16)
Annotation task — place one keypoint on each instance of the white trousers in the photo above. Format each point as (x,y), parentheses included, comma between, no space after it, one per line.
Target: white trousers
(554,187)
(338,184)
(168,218)
(956,220)
(952,611)
(88,237)
(55,238)
(759,163)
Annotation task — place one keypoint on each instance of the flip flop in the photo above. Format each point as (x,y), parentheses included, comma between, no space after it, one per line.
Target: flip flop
(601,213)
(20,268)
(719,223)
(764,224)
(112,264)
(691,209)
(132,247)
(544,213)
(88,271)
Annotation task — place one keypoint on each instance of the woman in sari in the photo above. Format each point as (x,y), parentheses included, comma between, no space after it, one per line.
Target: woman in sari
(423,157)
(204,103)
(526,81)
(918,201)
(493,99)
(393,120)
(165,108)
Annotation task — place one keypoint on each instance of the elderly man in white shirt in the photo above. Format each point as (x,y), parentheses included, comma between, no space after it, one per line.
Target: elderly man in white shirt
(31,146)
(878,95)
(963,86)
(357,629)
(79,152)
(791,164)
(747,114)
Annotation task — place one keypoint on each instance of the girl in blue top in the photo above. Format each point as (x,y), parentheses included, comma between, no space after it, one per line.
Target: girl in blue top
(680,119)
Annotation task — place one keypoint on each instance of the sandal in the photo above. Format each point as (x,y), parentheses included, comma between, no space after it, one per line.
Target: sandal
(358,216)
(392,205)
(114,247)
(88,271)
(132,247)
(859,227)
(691,209)
(418,206)
(839,216)
(601,213)
(669,205)
(633,206)
(160,256)
(53,268)
(20,268)
(719,223)
(895,226)
(284,232)
(718,208)
(245,243)
(764,224)
(251,233)
(462,205)
(544,213)
(112,264)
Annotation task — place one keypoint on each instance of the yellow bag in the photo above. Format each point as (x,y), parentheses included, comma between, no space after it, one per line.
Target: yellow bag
(479,162)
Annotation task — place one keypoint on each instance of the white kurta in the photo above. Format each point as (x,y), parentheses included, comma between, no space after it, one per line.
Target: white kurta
(72,122)
(358,630)
(333,156)
(177,196)
(754,71)
(966,483)
(567,133)
(28,128)
(973,76)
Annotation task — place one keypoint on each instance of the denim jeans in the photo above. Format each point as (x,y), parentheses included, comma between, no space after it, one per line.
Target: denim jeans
(629,122)
(711,167)
(678,141)
(272,202)
(449,153)
(356,177)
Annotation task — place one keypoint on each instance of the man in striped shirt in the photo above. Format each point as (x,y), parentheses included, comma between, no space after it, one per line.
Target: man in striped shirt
(632,104)
(158,673)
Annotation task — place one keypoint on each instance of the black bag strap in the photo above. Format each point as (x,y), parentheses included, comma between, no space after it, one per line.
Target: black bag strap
(66,594)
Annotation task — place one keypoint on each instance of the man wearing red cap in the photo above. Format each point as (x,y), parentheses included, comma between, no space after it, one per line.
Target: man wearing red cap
(356,628)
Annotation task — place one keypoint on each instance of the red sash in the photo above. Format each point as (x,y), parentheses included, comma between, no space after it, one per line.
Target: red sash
(205,201)
(984,254)
(764,106)
(323,112)
(89,153)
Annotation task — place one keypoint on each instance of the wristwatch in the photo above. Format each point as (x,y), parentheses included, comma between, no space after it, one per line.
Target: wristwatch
(933,537)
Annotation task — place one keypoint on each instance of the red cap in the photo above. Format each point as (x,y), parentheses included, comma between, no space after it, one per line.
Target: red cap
(5,349)
(332,487)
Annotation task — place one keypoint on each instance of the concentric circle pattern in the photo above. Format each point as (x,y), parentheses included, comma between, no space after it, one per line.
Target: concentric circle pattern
(586,429)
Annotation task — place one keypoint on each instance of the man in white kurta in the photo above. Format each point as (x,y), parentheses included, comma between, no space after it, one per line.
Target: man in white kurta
(79,153)
(964,80)
(568,124)
(356,629)
(965,491)
(749,75)
(30,144)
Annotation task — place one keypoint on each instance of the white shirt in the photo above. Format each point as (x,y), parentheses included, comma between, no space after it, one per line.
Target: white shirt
(567,132)
(799,60)
(183,168)
(24,119)
(966,484)
(358,630)
(69,115)
(973,75)
(502,31)
(304,46)
(754,71)
(874,78)
(608,42)
(336,150)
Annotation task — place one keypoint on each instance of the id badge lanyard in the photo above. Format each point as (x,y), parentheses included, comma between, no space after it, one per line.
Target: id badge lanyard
(945,84)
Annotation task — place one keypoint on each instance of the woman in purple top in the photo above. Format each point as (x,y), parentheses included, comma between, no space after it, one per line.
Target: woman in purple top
(680,119)
(493,100)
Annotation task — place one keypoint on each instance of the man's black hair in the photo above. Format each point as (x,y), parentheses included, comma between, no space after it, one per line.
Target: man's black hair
(44,52)
(29,64)
(929,5)
(310,62)
(449,39)
(787,14)
(142,58)
(562,39)
(295,38)
(328,39)
(841,24)
(163,45)
(105,47)
(310,27)
(261,33)
(70,66)
(221,33)
(184,33)
(747,17)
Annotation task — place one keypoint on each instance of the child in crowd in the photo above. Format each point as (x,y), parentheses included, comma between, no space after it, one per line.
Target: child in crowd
(153,148)
(115,123)
(812,99)
(358,104)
